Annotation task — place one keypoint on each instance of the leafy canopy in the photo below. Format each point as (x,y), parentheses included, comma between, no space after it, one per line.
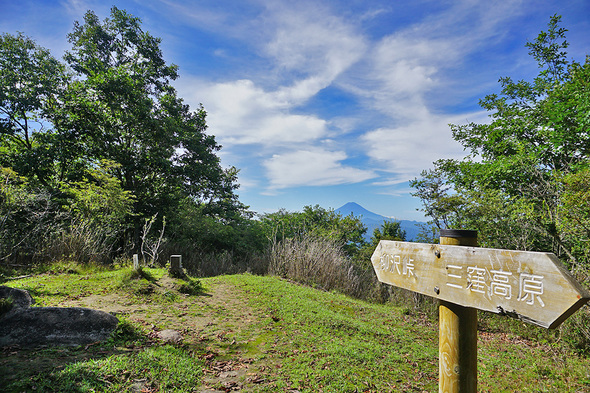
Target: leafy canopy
(125,110)
(106,139)
(525,165)
(30,83)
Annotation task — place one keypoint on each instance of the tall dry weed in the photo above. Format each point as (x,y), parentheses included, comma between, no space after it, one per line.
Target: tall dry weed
(82,241)
(320,263)
(199,263)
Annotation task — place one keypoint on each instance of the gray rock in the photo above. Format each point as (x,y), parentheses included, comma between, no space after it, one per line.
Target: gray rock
(20,297)
(33,326)
(170,336)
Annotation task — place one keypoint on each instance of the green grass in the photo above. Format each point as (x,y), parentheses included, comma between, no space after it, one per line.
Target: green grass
(331,343)
(292,337)
(161,368)
(129,357)
(328,342)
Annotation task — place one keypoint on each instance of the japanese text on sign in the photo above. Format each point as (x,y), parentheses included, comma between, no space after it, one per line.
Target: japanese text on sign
(397,264)
(527,287)
(496,283)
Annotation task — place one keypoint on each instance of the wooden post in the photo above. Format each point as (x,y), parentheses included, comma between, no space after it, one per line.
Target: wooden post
(457,332)
(531,286)
(135,262)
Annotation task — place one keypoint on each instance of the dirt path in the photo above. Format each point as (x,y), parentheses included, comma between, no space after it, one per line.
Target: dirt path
(219,325)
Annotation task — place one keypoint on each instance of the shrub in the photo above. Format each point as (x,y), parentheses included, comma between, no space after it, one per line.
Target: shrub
(319,262)
(190,286)
(576,330)
(80,220)
(24,217)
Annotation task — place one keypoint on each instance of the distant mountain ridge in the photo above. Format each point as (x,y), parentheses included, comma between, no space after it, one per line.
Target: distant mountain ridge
(374,220)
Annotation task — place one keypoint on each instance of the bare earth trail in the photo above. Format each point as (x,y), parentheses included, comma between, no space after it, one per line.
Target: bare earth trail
(219,325)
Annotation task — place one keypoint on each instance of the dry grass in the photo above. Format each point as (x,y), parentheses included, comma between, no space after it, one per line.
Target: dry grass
(320,263)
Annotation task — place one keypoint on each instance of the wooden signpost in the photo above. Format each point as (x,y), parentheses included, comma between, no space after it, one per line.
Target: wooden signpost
(531,286)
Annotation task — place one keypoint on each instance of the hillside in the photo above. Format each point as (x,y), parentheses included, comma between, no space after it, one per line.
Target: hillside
(374,220)
(264,334)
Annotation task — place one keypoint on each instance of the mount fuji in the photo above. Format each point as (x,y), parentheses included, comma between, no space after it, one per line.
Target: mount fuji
(374,220)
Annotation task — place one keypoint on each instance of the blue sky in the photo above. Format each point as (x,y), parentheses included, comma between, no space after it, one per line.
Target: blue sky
(326,102)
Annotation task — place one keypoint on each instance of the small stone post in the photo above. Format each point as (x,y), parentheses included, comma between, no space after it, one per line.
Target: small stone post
(135,262)
(176,266)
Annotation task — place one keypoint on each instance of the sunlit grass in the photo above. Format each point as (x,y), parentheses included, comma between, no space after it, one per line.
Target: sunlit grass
(161,368)
(331,343)
(298,338)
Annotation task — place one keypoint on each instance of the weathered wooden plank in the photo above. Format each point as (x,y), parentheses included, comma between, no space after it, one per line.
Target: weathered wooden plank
(532,286)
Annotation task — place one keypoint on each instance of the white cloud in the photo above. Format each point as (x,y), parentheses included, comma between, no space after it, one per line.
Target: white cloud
(311,42)
(308,49)
(408,64)
(407,150)
(312,167)
(75,7)
(241,113)
(403,70)
(218,16)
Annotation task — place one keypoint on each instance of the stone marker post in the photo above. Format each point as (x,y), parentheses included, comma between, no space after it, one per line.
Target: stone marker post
(176,265)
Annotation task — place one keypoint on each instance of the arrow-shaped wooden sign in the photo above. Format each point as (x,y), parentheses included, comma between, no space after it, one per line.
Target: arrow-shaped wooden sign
(532,286)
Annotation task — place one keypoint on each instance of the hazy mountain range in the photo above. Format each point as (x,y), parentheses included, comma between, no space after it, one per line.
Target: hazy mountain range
(374,220)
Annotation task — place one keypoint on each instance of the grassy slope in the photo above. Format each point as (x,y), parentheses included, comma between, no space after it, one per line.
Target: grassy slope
(285,335)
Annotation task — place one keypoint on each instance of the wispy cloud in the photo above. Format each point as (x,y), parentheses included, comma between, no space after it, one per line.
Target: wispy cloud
(404,69)
(310,47)
(76,8)
(403,152)
(312,167)
(242,113)
(309,42)
(269,74)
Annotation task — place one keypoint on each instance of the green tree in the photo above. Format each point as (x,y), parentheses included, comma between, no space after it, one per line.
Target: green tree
(440,204)
(389,230)
(511,185)
(124,109)
(30,84)
(115,105)
(316,221)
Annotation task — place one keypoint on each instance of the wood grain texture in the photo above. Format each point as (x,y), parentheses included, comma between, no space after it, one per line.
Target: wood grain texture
(457,349)
(457,339)
(532,286)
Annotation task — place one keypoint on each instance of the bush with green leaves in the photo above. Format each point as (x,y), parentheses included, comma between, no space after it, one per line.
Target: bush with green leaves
(526,183)
(389,230)
(315,221)
(29,218)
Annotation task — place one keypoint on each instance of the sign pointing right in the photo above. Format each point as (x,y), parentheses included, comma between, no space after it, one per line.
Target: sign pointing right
(532,286)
